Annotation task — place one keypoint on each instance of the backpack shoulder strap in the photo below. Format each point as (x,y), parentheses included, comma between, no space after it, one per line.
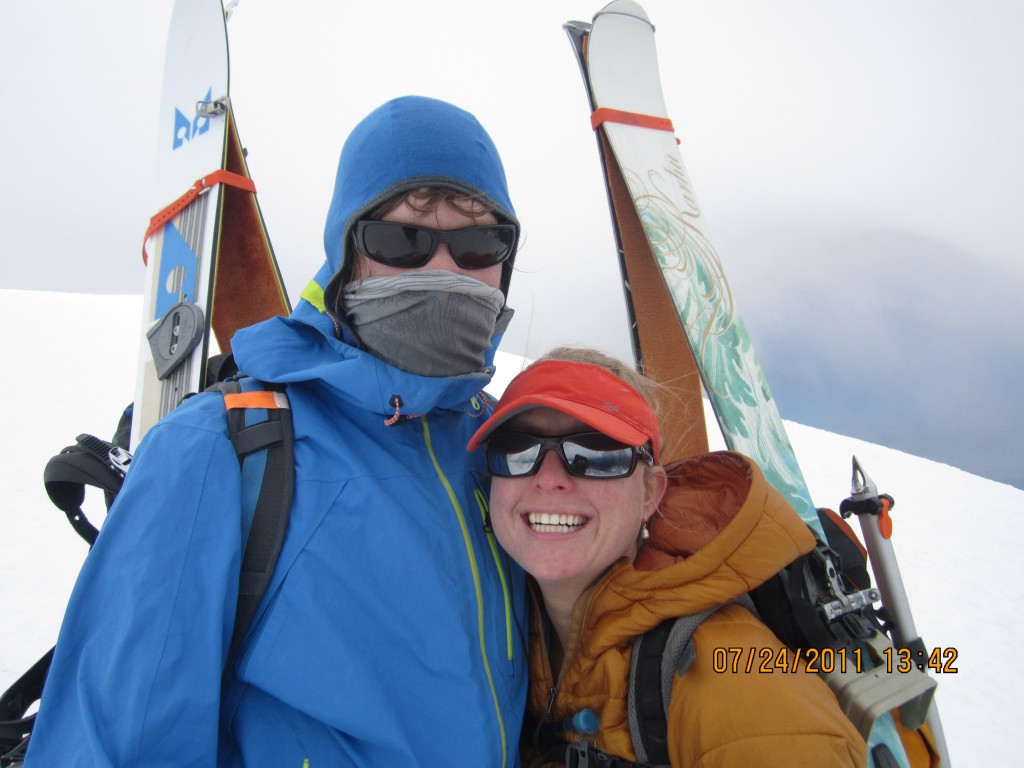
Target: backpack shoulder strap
(16,720)
(260,428)
(658,656)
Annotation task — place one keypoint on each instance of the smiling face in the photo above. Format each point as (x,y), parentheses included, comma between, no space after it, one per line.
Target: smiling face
(566,531)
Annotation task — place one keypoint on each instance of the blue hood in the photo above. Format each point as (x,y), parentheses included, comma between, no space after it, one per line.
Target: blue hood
(405,144)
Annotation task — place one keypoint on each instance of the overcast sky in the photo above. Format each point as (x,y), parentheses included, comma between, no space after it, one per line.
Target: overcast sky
(858,164)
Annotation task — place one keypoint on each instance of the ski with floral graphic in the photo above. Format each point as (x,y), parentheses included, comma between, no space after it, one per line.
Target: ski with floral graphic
(687,332)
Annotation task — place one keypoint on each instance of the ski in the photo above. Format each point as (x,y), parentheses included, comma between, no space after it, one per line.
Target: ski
(686,329)
(210,266)
(210,271)
(666,251)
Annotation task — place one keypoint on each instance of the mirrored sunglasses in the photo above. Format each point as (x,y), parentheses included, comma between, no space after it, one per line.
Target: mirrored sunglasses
(409,246)
(585,454)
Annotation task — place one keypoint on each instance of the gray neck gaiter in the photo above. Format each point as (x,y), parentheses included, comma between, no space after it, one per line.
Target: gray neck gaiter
(431,322)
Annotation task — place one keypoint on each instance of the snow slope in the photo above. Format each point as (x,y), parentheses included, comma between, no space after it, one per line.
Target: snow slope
(70,368)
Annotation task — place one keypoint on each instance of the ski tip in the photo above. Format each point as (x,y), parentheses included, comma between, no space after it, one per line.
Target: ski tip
(577,28)
(625,8)
(579,32)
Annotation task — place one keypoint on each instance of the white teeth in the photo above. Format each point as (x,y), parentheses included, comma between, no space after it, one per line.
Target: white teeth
(547,522)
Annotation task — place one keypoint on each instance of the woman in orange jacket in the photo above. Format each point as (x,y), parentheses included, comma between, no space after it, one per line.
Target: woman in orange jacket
(613,552)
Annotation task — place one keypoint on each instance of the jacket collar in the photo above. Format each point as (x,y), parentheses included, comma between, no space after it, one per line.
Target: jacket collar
(303,347)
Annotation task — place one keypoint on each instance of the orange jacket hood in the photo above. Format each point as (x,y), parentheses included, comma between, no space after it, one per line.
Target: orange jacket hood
(722,530)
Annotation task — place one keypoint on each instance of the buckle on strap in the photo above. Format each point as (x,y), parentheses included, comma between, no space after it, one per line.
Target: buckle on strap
(577,755)
(586,755)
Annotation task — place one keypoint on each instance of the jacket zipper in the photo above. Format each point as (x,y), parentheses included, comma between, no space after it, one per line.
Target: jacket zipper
(477,588)
(481,501)
(567,655)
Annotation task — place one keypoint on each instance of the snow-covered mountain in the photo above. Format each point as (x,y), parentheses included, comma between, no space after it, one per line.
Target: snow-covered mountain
(70,368)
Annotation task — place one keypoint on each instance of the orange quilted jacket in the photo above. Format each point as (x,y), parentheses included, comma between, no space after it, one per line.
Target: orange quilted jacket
(722,530)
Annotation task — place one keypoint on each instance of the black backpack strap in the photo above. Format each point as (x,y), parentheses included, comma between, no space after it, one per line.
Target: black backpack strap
(90,461)
(93,462)
(586,755)
(658,656)
(646,704)
(260,427)
(853,557)
(220,368)
(15,724)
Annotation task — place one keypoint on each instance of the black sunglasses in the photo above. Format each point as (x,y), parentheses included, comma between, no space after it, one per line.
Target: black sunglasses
(585,454)
(409,246)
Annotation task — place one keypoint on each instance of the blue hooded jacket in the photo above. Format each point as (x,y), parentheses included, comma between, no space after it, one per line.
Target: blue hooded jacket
(391,632)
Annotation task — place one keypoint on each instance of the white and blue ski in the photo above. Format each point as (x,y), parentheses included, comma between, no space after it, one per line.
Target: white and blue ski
(210,265)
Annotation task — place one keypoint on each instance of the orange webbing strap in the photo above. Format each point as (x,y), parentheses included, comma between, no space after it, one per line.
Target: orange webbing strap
(258,399)
(608,115)
(664,349)
(200,186)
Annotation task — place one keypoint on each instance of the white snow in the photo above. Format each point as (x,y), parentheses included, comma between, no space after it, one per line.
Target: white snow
(71,369)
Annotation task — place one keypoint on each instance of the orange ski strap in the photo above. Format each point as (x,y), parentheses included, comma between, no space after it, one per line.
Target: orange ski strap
(609,115)
(200,186)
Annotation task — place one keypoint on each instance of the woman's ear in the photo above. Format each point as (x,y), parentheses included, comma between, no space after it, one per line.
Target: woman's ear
(655,482)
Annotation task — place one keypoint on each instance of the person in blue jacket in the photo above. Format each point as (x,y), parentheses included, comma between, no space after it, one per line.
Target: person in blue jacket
(390,634)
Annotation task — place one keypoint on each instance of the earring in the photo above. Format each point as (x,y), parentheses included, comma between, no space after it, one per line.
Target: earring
(645,533)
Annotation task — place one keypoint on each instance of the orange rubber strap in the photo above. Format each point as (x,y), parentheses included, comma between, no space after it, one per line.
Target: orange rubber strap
(258,399)
(200,186)
(609,115)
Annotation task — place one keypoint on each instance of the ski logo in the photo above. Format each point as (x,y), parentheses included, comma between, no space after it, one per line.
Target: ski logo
(178,264)
(186,130)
